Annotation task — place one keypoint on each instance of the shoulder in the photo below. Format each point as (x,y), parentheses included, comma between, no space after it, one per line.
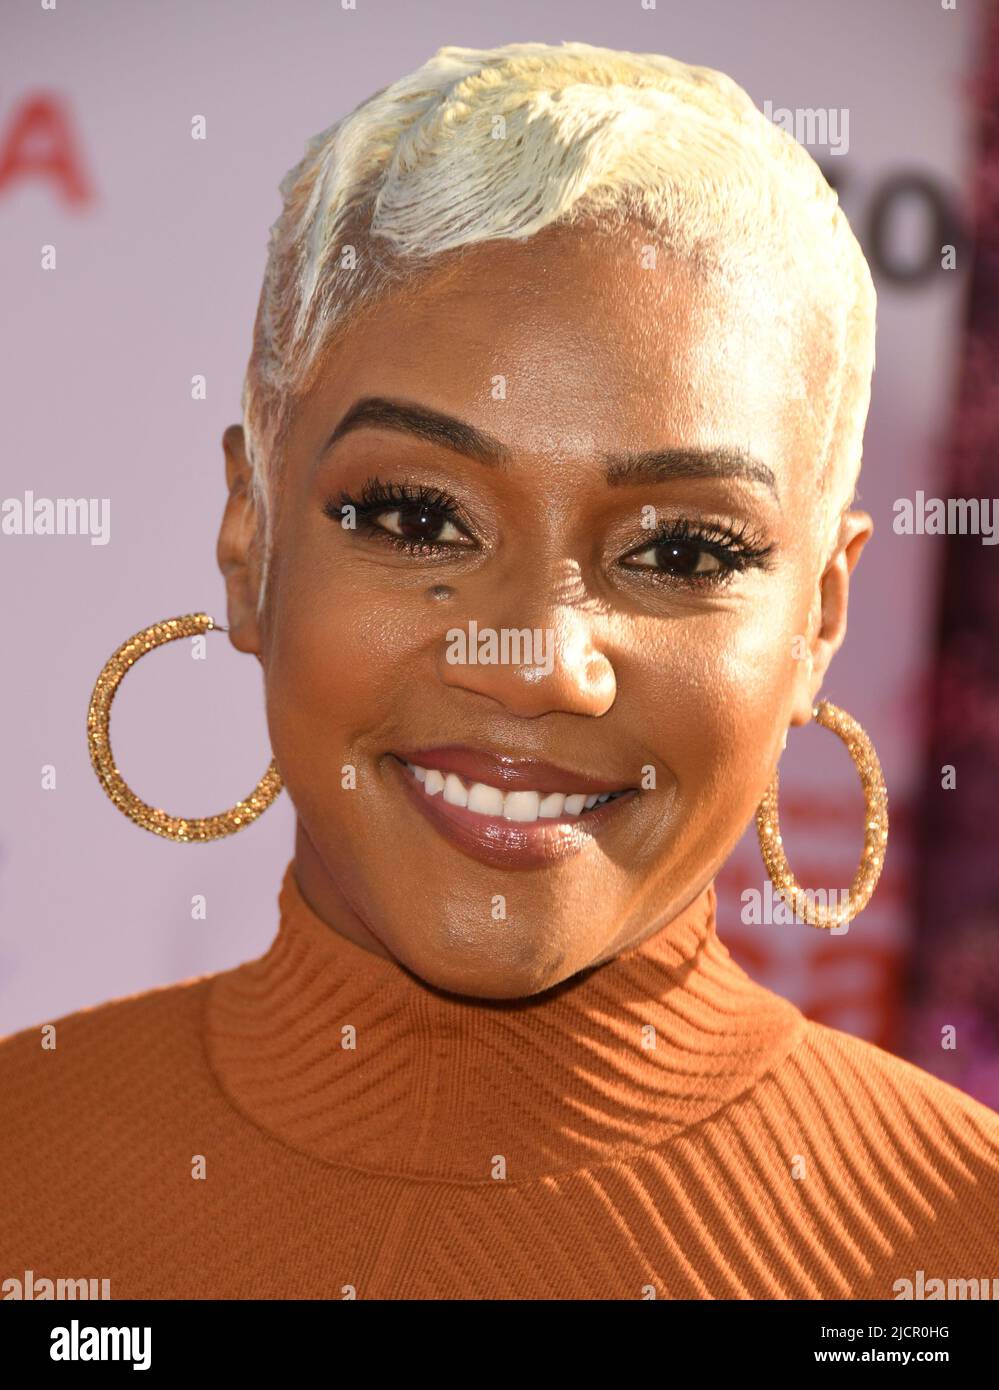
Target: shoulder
(107,1115)
(913,1160)
(885,1171)
(871,1083)
(92,1083)
(104,1046)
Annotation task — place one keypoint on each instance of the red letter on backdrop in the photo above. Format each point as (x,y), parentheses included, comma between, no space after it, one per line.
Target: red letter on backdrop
(40,145)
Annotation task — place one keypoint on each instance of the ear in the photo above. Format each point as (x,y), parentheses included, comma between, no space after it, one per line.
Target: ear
(238,549)
(827,623)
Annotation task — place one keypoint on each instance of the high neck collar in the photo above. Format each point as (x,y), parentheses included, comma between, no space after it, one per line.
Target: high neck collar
(617,1060)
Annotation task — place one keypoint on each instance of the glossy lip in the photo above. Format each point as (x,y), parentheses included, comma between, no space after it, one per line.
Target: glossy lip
(508,844)
(508,774)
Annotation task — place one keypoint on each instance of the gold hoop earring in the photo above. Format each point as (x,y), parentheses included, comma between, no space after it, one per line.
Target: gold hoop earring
(98,737)
(865,880)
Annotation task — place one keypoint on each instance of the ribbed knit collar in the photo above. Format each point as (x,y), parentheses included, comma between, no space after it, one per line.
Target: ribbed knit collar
(617,1060)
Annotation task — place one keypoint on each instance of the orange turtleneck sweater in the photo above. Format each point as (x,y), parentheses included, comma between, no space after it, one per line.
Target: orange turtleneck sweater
(319,1123)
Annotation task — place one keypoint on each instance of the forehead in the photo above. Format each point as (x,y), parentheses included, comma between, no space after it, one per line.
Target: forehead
(572,344)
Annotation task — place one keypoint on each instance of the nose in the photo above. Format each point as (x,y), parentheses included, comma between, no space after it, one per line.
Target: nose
(548,662)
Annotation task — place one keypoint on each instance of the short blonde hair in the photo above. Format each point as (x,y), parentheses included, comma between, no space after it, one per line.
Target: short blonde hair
(484,144)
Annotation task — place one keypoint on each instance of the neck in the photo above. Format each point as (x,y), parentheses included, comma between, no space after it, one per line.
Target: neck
(346,1055)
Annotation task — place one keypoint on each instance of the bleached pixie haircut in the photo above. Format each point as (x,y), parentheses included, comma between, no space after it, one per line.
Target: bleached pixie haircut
(485,144)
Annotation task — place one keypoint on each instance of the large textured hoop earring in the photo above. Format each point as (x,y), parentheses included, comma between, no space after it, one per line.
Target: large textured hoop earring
(865,880)
(98,737)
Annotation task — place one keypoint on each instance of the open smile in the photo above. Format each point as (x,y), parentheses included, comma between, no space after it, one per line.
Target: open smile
(513,825)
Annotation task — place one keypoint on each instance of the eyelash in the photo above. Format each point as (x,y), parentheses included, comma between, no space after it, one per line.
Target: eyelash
(736,548)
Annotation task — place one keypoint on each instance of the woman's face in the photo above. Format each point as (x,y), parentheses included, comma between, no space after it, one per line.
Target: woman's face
(612,465)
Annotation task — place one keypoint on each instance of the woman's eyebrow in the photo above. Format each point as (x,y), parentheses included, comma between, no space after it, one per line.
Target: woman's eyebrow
(622,470)
(378,412)
(661,465)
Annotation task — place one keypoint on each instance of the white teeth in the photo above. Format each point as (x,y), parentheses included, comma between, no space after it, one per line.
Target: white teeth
(523,806)
(488,801)
(455,791)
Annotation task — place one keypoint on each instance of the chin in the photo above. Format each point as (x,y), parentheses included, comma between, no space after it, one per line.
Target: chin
(485,972)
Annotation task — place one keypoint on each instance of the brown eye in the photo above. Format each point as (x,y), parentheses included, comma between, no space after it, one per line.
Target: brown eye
(679,557)
(420,524)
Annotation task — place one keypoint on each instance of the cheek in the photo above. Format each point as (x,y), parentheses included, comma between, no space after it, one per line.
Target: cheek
(715,695)
(335,670)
